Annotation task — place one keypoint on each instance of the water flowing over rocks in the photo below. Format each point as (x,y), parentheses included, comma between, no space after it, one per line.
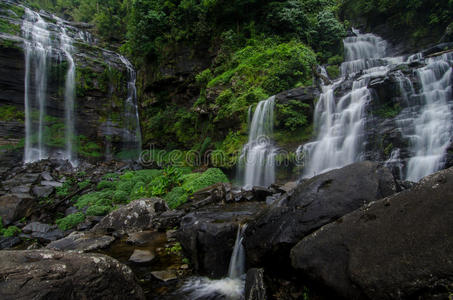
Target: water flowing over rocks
(395,248)
(49,274)
(314,203)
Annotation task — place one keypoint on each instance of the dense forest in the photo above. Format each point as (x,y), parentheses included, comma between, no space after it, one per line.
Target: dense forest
(226,149)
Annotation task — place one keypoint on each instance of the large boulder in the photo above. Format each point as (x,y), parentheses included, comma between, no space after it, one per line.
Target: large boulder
(399,247)
(45,274)
(136,216)
(82,241)
(208,235)
(14,207)
(314,203)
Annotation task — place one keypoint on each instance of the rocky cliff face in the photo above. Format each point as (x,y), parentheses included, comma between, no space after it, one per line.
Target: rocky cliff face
(101,88)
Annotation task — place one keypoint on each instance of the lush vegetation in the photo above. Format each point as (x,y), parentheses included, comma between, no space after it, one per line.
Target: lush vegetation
(175,185)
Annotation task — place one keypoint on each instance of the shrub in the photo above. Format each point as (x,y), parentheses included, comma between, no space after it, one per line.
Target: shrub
(176,197)
(120,197)
(125,186)
(98,210)
(104,184)
(11,231)
(70,221)
(200,181)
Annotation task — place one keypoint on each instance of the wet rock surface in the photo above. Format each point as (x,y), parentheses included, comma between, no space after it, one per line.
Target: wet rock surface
(135,216)
(395,248)
(314,203)
(81,241)
(208,235)
(45,274)
(254,285)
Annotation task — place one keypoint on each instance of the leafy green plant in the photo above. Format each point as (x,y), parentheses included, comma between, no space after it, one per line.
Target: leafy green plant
(70,221)
(10,231)
(98,210)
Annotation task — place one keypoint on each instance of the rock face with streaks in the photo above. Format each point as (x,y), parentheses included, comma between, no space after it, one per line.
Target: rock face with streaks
(49,274)
(395,248)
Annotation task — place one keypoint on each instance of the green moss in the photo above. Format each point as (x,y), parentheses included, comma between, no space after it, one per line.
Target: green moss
(389,111)
(84,184)
(120,197)
(388,150)
(10,231)
(98,210)
(70,221)
(209,177)
(10,28)
(333,71)
(105,184)
(11,113)
(66,188)
(176,197)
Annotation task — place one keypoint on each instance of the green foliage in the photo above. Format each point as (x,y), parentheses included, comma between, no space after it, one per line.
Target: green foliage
(10,28)
(84,184)
(389,111)
(120,197)
(418,19)
(98,210)
(11,113)
(292,115)
(66,188)
(333,71)
(176,197)
(10,231)
(201,181)
(70,221)
(105,184)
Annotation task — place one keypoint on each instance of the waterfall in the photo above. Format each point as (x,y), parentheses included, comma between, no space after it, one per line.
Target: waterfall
(69,94)
(237,262)
(340,124)
(258,154)
(433,124)
(37,46)
(132,137)
(231,287)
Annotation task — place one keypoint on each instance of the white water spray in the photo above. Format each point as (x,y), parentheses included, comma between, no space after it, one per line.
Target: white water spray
(258,155)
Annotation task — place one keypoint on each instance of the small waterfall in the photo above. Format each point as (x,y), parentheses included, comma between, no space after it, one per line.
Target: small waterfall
(237,262)
(258,154)
(231,288)
(69,94)
(38,46)
(433,124)
(132,137)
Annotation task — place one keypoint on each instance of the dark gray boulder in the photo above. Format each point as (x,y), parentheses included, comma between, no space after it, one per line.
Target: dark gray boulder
(13,207)
(399,247)
(45,274)
(81,241)
(207,235)
(314,203)
(135,216)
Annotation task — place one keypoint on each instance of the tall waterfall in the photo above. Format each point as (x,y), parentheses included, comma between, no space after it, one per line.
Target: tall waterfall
(258,154)
(69,94)
(38,46)
(132,137)
(340,123)
(433,127)
(425,120)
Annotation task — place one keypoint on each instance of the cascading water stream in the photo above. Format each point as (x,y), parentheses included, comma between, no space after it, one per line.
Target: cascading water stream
(38,45)
(231,288)
(258,154)
(132,137)
(340,124)
(433,126)
(69,94)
